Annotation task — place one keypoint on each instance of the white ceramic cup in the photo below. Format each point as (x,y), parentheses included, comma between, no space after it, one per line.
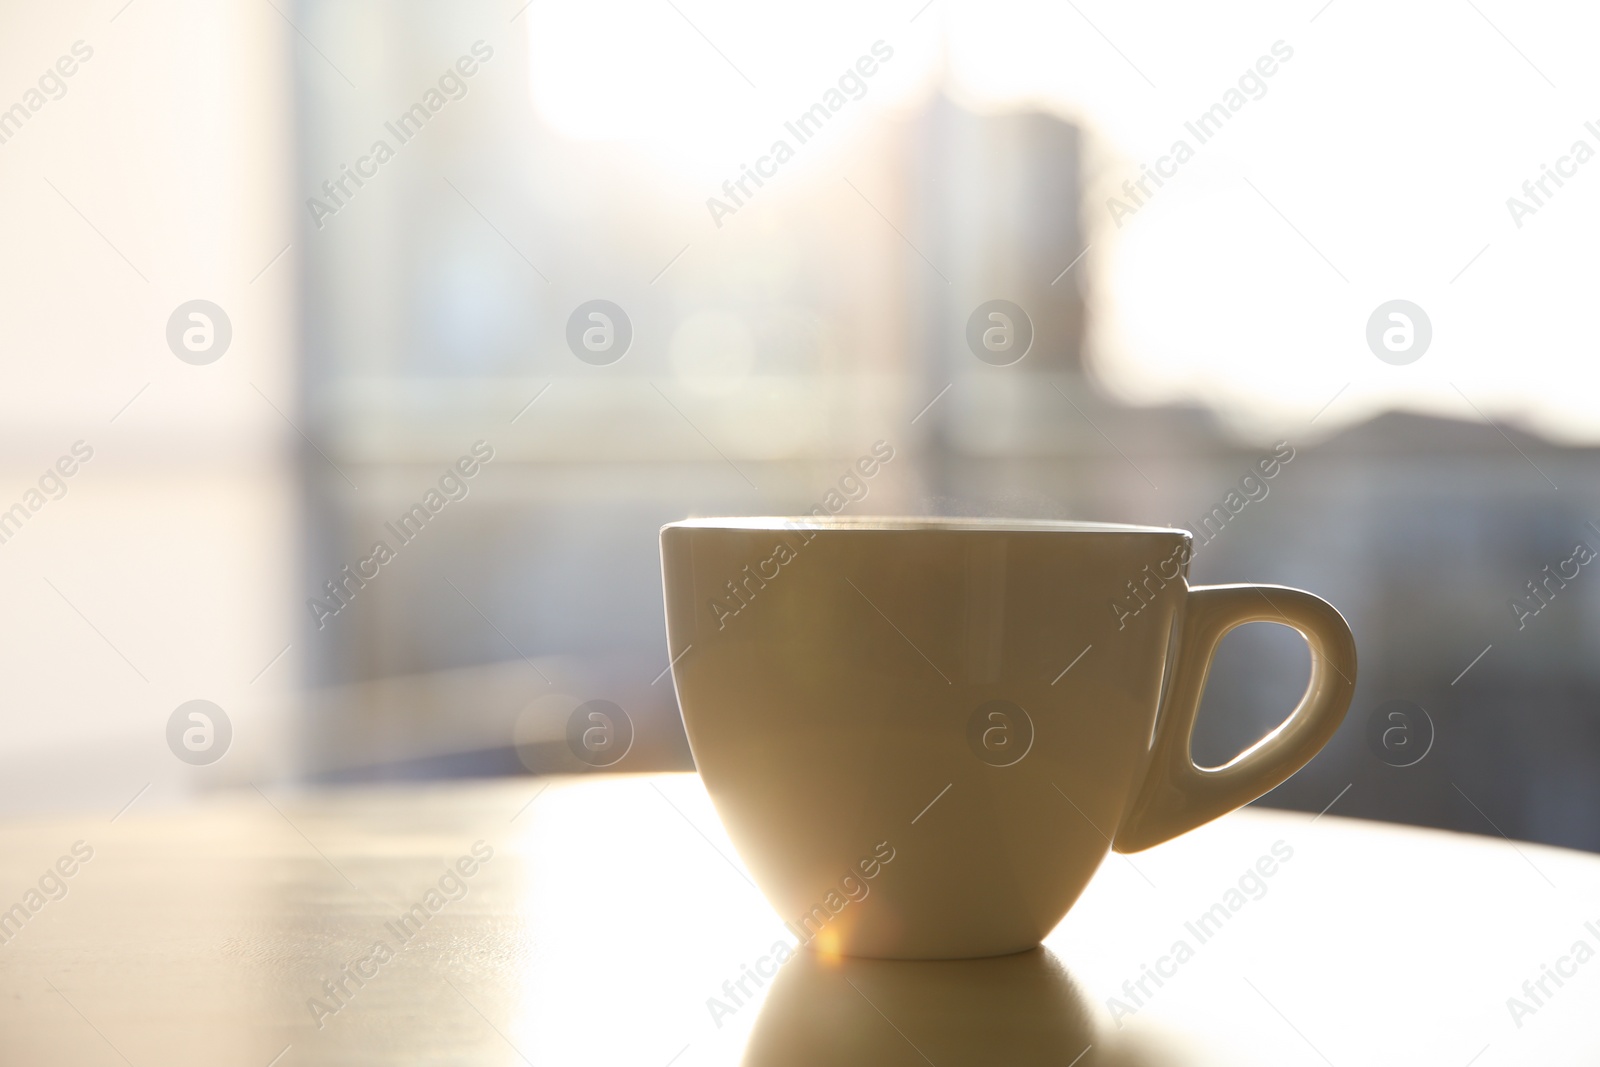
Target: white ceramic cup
(925,735)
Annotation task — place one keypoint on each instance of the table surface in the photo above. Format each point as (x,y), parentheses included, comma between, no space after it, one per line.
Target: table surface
(266,928)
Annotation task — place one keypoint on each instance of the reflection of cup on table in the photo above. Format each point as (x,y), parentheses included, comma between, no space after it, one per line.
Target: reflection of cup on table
(976,698)
(1016,1010)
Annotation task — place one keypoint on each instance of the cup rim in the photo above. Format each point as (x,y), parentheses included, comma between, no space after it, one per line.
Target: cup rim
(900,523)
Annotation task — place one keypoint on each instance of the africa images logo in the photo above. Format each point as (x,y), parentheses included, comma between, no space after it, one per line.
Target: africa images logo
(805,126)
(343,186)
(199,332)
(1252,85)
(199,732)
(599,332)
(743,588)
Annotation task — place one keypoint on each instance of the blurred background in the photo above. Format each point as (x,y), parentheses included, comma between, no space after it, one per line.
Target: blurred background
(389,311)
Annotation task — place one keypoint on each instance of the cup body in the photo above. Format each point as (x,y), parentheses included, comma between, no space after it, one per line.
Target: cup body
(921,735)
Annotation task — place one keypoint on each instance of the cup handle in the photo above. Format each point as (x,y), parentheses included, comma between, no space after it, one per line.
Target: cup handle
(1176,795)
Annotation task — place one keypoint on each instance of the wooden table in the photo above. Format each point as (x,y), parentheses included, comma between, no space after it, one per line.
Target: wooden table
(612,910)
